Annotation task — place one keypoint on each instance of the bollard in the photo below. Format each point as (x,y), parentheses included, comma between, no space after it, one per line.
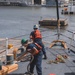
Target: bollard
(11,66)
(10,59)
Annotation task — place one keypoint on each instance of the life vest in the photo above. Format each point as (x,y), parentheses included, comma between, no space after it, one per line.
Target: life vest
(39,48)
(36,52)
(37,34)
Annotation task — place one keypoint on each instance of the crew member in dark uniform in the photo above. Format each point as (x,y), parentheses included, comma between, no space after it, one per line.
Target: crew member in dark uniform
(36,51)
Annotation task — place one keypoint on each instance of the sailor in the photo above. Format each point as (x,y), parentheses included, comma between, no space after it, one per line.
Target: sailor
(36,51)
(37,38)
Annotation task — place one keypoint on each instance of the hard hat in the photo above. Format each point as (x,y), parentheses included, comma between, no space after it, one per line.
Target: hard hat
(23,41)
(35,26)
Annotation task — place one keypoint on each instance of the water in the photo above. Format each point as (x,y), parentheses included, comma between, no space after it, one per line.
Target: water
(16,21)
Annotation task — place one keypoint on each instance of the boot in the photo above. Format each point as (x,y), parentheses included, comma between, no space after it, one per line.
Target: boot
(28,73)
(45,56)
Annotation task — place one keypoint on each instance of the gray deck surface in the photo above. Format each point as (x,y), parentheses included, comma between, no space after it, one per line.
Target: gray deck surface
(67,68)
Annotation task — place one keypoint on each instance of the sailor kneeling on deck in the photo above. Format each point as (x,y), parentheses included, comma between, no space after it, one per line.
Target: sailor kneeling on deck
(36,51)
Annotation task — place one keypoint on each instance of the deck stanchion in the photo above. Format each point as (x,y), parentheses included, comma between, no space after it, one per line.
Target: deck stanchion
(58,30)
(73,38)
(6,46)
(0,65)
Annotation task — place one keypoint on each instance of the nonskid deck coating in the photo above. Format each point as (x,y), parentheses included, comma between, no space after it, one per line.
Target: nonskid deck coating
(67,68)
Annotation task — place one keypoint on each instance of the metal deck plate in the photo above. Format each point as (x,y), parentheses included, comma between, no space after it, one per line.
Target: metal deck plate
(67,68)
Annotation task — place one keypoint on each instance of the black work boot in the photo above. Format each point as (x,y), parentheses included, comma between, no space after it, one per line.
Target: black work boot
(28,73)
(45,57)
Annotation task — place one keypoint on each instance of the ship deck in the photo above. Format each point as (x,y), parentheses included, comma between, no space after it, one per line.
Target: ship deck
(67,68)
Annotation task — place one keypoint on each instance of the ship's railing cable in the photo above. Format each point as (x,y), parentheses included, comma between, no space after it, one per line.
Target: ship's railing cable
(17,38)
(72,40)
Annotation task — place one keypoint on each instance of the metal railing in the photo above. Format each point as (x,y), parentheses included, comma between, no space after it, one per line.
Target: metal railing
(16,41)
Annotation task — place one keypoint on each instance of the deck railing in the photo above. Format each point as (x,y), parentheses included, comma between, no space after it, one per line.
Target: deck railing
(70,40)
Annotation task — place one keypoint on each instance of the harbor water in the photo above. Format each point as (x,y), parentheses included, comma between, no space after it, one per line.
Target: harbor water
(17,21)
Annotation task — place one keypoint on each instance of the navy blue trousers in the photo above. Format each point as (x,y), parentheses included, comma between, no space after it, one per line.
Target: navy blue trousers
(37,61)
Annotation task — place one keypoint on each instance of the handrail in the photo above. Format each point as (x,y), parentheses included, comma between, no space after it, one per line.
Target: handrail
(26,34)
(66,36)
(2,51)
(43,37)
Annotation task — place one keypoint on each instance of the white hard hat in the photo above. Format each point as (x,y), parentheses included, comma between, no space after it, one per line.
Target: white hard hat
(35,26)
